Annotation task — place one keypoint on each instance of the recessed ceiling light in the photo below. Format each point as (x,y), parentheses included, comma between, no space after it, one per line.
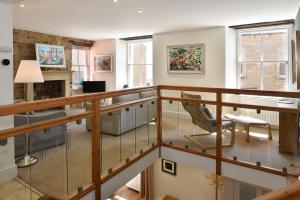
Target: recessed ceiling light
(22,5)
(140,11)
(50,31)
(115,1)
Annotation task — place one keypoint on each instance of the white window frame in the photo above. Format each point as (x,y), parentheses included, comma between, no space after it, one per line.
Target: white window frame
(87,60)
(129,64)
(289,29)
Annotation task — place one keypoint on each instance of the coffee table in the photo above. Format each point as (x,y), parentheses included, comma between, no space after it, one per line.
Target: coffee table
(246,122)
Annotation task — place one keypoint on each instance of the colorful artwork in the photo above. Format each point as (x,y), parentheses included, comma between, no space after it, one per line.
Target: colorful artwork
(103,63)
(186,59)
(50,55)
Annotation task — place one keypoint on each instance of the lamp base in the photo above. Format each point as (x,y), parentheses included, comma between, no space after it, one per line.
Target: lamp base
(27,161)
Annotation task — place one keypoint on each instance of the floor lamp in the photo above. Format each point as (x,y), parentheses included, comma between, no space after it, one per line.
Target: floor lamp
(29,71)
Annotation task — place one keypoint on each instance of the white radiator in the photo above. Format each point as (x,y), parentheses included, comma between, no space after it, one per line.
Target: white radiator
(268,116)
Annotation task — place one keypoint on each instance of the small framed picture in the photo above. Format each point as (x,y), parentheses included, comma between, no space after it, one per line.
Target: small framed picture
(168,166)
(103,63)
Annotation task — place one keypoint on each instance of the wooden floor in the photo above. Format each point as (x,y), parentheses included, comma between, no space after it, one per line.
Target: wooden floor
(16,189)
(126,193)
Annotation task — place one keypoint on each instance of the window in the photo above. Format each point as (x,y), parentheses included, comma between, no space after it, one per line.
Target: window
(263,59)
(140,68)
(80,64)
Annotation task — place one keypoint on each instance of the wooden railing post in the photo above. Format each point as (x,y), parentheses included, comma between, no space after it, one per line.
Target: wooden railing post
(96,148)
(159,116)
(219,133)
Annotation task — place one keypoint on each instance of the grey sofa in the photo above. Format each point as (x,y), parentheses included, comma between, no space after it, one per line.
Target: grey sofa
(41,139)
(119,122)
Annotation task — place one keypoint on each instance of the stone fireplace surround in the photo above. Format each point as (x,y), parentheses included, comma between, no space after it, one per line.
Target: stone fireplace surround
(64,77)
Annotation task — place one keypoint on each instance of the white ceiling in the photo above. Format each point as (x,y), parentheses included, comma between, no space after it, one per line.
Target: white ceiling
(98,19)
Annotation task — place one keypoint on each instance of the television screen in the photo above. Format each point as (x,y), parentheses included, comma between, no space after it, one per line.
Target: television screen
(93,86)
(50,55)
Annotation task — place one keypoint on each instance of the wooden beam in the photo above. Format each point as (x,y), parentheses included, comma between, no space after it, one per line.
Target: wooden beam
(189,100)
(96,149)
(78,195)
(263,24)
(63,101)
(143,37)
(159,117)
(219,134)
(21,130)
(233,91)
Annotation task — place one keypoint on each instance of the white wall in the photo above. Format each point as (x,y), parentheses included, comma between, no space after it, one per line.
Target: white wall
(214,40)
(118,49)
(104,47)
(121,64)
(8,168)
(230,58)
(189,183)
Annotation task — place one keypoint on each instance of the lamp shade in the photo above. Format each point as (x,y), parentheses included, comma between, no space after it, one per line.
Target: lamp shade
(29,71)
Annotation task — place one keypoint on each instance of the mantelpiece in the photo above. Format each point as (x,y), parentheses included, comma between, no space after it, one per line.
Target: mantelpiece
(64,76)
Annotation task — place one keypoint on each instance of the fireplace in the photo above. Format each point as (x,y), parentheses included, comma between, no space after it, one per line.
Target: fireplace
(49,89)
(57,84)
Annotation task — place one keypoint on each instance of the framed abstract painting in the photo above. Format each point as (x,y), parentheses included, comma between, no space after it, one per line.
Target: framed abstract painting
(186,58)
(50,55)
(103,63)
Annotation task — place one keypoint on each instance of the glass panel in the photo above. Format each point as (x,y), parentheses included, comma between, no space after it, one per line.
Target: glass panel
(142,127)
(251,77)
(275,46)
(274,76)
(47,148)
(128,133)
(79,157)
(111,140)
(170,122)
(265,138)
(197,126)
(152,122)
(250,47)
(13,186)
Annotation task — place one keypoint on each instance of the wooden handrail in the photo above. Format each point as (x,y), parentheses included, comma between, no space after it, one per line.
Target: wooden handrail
(235,105)
(232,91)
(63,101)
(290,192)
(21,130)
(188,100)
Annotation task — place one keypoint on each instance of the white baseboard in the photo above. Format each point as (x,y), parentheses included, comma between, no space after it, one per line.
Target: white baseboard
(8,173)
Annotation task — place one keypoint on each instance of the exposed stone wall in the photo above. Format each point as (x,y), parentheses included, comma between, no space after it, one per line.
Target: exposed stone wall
(24,49)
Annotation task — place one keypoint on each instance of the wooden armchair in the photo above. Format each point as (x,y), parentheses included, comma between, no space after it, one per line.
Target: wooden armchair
(202,117)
